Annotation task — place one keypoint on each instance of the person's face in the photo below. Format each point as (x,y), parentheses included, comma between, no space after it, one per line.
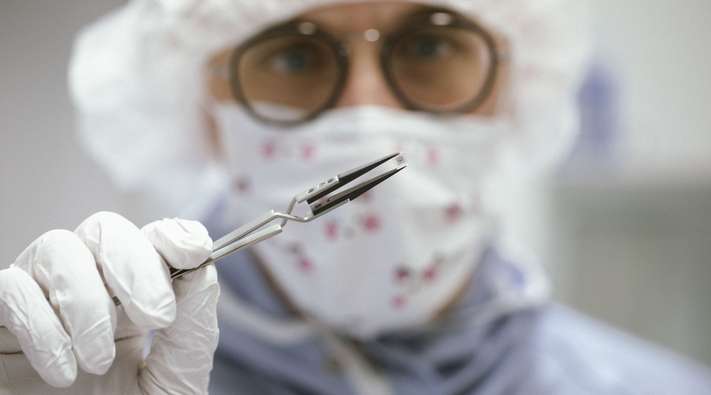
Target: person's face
(365,83)
(271,66)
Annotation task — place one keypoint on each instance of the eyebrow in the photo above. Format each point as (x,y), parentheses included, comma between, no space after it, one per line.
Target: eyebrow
(418,14)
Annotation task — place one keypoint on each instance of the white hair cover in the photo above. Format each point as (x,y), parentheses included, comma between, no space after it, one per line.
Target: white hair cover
(137,78)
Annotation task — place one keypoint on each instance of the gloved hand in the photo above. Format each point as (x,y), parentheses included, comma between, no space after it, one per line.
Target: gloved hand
(63,330)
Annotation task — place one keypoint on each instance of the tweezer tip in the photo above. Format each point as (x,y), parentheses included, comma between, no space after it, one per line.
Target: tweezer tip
(377,180)
(350,175)
(390,156)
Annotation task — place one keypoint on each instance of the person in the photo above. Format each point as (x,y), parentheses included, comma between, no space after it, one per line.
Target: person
(221,110)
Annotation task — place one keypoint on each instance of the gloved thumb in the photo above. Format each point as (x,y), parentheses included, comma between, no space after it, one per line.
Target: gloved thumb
(180,359)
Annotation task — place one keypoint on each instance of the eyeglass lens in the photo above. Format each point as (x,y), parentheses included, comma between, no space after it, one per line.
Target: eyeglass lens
(439,69)
(290,77)
(287,78)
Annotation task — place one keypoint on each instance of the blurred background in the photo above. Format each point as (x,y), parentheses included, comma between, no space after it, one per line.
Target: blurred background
(624,228)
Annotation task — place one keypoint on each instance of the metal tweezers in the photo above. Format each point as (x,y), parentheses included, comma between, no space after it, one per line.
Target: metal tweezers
(320,198)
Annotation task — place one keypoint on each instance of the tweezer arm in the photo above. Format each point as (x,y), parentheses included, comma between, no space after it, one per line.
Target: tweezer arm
(250,233)
(263,234)
(246,235)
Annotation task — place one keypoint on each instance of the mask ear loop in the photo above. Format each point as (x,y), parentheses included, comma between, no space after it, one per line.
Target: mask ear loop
(214,136)
(215,72)
(504,105)
(208,104)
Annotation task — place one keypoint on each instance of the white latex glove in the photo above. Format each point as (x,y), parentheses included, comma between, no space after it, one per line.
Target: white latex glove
(63,333)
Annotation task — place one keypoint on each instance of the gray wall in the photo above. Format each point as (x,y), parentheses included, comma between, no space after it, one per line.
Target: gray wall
(46,181)
(632,240)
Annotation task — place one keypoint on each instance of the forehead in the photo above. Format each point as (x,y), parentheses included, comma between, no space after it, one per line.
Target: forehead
(362,15)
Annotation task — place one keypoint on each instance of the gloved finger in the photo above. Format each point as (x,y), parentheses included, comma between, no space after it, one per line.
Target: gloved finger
(181,357)
(64,267)
(184,244)
(132,269)
(26,313)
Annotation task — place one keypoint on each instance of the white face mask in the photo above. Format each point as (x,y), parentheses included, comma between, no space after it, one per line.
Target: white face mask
(395,256)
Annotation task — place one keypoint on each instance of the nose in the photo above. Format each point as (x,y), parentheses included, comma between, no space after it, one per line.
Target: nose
(365,83)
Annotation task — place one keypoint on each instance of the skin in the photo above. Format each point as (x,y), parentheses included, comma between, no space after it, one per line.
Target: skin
(365,84)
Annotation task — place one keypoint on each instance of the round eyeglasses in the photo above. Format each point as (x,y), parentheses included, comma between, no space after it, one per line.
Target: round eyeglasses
(440,62)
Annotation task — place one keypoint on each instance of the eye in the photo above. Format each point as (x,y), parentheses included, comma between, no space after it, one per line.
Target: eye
(295,59)
(426,46)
